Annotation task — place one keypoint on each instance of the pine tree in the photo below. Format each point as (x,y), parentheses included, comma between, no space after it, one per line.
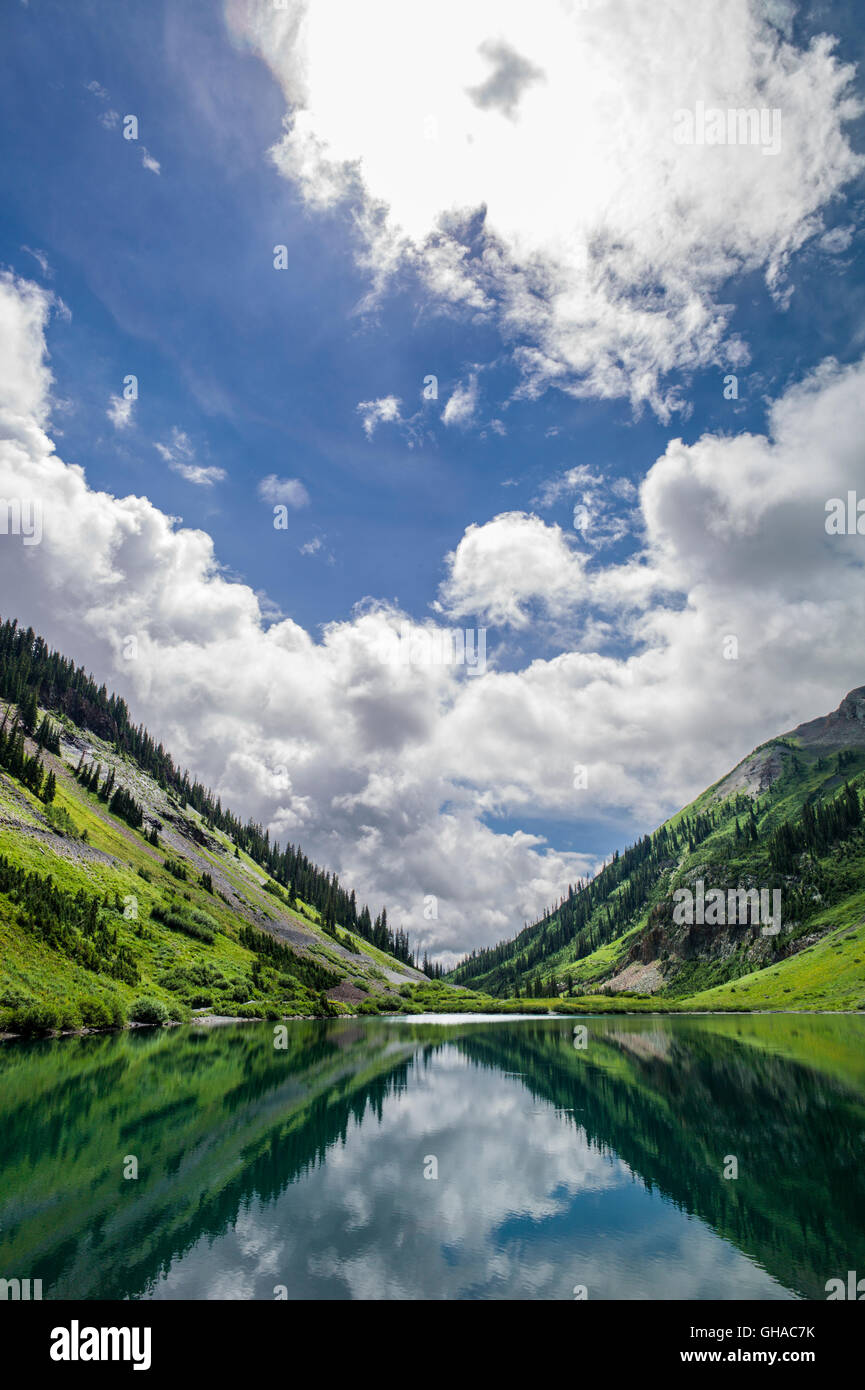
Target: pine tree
(47,736)
(29,710)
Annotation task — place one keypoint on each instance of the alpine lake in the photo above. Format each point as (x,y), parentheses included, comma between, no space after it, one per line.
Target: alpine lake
(654,1157)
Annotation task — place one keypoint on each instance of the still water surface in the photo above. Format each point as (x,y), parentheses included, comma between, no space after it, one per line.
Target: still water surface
(300,1172)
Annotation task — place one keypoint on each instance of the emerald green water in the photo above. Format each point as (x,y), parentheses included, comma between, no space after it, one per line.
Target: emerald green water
(302,1170)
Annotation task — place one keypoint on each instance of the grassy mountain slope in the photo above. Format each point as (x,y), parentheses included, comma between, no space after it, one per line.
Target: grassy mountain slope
(154,931)
(787,818)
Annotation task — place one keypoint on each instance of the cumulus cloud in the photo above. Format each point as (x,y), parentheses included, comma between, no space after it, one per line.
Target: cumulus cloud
(25,377)
(532,175)
(499,569)
(399,772)
(285,492)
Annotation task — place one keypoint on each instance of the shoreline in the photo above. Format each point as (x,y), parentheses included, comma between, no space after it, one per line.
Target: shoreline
(222,1020)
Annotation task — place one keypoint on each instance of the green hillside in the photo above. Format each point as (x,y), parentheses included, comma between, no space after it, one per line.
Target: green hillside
(129,894)
(787,820)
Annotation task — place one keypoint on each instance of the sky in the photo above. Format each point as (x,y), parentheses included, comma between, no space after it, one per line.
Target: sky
(337,340)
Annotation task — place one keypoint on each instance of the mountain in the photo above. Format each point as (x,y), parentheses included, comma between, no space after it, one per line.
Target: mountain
(129,893)
(753,896)
(843,728)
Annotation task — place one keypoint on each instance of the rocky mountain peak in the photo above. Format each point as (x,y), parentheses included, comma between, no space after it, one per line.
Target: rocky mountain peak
(843,728)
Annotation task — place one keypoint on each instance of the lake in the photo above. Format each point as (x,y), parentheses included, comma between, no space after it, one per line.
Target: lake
(677,1158)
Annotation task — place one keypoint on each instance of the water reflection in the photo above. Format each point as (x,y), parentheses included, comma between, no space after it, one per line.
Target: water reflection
(302,1170)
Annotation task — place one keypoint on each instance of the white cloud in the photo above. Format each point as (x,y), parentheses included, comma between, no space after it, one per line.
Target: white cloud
(572,480)
(398,773)
(461,407)
(837,240)
(386,410)
(119,412)
(180,457)
(316,546)
(598,521)
(25,378)
(149,162)
(199,474)
(498,570)
(42,260)
(549,134)
(285,492)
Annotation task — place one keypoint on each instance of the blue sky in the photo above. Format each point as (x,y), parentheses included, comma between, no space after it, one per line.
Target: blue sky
(167,272)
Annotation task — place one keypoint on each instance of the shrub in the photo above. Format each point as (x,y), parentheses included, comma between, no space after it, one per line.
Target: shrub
(95,1012)
(249,1011)
(190,927)
(149,1010)
(36,1017)
(117,1011)
(201,999)
(181,919)
(204,919)
(11,997)
(180,979)
(60,820)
